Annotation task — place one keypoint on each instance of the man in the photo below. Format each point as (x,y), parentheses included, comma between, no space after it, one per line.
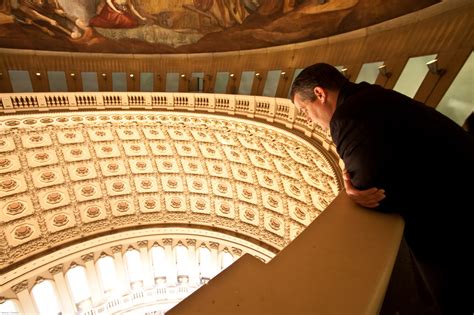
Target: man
(405,157)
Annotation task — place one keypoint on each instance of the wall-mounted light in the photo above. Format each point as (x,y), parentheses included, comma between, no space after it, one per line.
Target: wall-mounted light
(284,75)
(132,76)
(384,72)
(344,72)
(1,75)
(433,67)
(72,75)
(183,76)
(38,75)
(232,76)
(104,75)
(258,75)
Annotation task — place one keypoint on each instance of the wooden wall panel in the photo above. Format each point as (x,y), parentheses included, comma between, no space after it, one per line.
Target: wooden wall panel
(442,29)
(394,67)
(452,62)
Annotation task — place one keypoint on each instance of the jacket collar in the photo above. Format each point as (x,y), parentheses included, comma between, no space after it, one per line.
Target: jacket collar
(347,89)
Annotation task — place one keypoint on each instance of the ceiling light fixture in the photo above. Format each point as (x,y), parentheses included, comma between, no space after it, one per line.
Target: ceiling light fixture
(433,67)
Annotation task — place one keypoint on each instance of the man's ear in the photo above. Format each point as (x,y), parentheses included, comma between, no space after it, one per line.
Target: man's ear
(320,93)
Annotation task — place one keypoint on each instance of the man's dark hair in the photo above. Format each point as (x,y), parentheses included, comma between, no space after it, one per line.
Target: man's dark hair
(319,74)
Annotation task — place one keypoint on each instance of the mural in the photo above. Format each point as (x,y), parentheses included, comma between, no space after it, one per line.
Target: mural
(185,26)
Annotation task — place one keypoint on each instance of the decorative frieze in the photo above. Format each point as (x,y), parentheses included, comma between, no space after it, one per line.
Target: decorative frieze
(116,249)
(56,269)
(167,241)
(17,288)
(87,257)
(142,244)
(190,242)
(236,251)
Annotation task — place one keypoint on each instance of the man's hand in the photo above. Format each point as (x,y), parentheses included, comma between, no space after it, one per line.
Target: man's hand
(368,198)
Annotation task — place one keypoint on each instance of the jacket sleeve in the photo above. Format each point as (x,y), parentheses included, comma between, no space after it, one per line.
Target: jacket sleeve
(361,146)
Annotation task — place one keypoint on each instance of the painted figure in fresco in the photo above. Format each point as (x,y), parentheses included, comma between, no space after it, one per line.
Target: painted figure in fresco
(117,14)
(48,16)
(224,13)
(5,6)
(227,13)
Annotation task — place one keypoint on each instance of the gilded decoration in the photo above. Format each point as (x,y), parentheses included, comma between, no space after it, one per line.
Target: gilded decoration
(56,269)
(64,177)
(142,244)
(15,207)
(190,242)
(17,288)
(87,257)
(167,241)
(116,249)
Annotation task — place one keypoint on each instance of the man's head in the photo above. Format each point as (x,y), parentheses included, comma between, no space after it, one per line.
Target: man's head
(315,92)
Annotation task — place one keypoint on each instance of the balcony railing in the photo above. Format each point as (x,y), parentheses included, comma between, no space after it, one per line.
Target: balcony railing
(340,264)
(270,109)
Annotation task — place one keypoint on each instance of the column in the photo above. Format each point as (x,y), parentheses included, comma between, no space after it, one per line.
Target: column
(120,269)
(216,266)
(24,297)
(172,274)
(193,266)
(148,277)
(91,273)
(67,304)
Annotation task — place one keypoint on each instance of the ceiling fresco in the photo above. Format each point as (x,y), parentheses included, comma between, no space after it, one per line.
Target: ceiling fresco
(185,26)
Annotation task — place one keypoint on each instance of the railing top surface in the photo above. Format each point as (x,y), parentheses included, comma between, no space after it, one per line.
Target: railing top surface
(340,264)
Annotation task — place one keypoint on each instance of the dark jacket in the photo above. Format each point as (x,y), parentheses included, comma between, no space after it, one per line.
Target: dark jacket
(423,160)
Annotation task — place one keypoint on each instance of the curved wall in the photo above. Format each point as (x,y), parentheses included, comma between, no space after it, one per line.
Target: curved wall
(444,29)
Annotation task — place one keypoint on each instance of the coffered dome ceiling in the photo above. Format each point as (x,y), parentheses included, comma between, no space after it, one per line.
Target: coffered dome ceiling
(66,178)
(185,26)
